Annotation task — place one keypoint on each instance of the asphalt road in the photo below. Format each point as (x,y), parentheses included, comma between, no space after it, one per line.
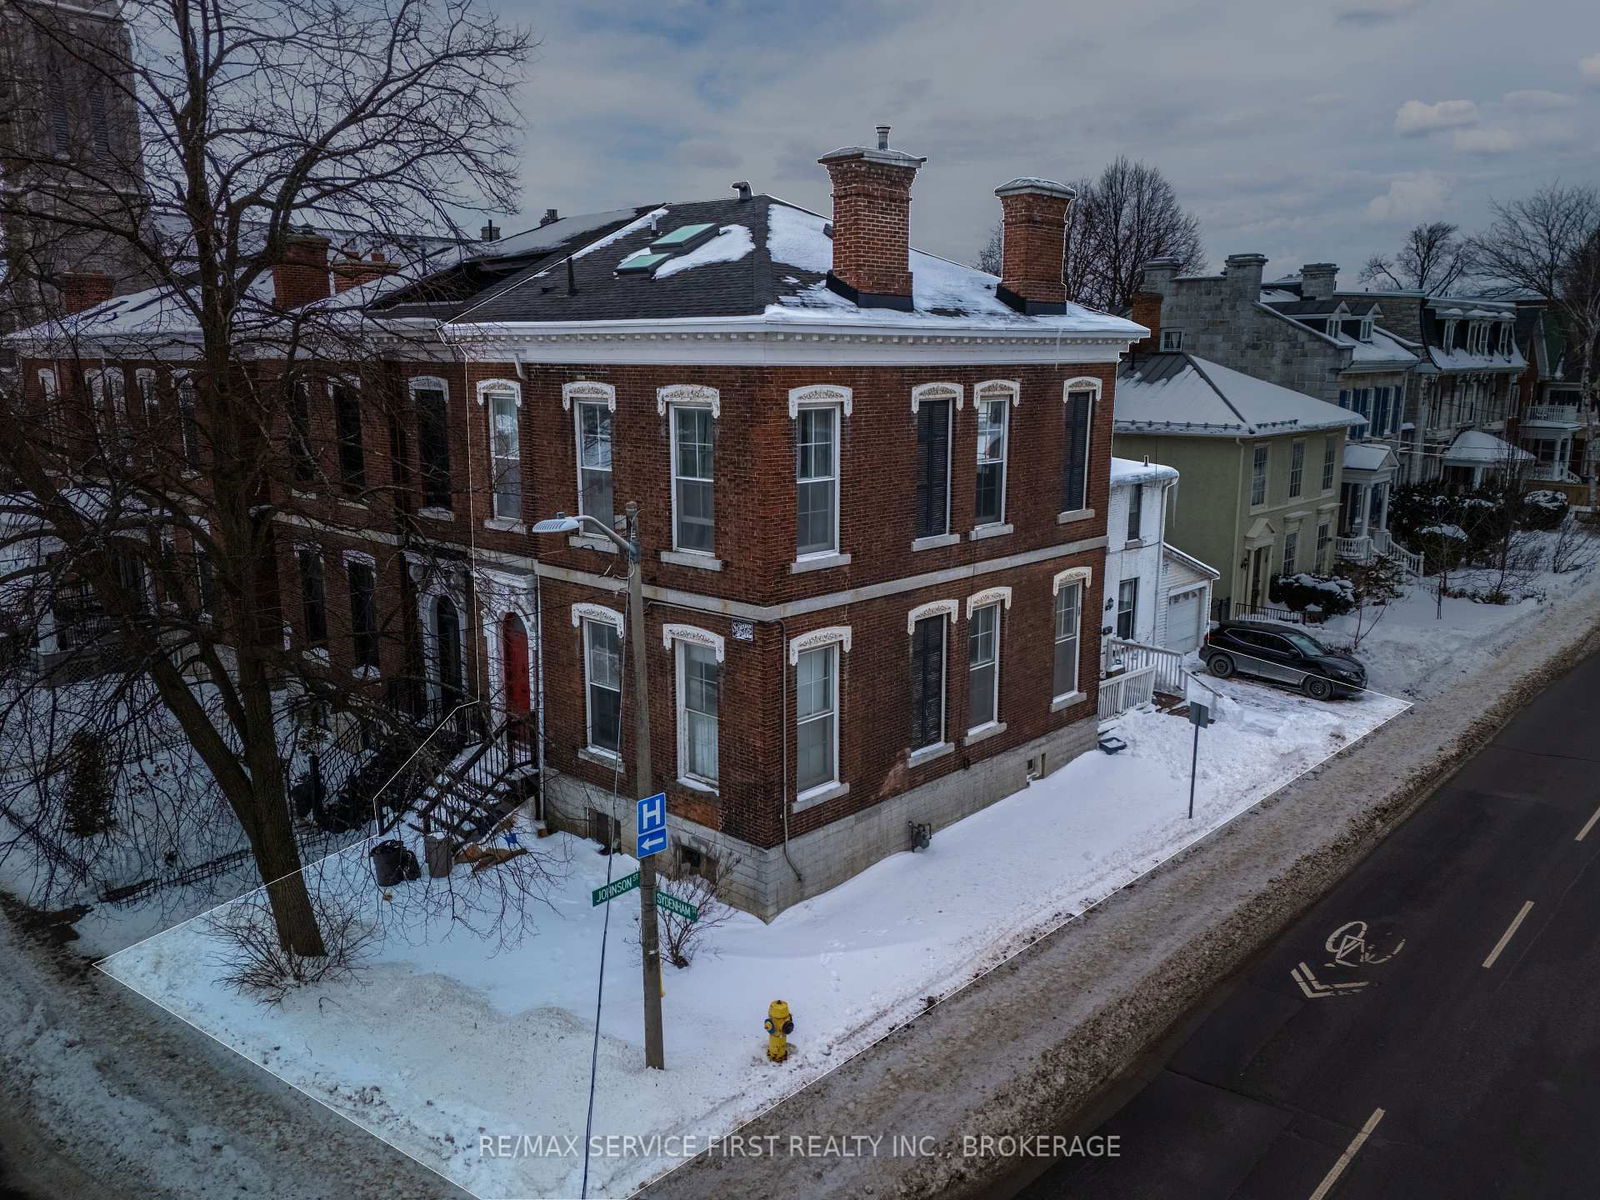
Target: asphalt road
(1470,1057)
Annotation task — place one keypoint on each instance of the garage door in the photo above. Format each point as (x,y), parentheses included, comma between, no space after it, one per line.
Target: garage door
(1185,614)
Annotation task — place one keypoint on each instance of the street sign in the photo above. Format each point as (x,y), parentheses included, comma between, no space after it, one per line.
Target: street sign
(652,825)
(681,908)
(617,887)
(1199,714)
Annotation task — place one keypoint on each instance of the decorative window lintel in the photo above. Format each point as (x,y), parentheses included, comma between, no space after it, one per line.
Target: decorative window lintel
(597,612)
(938,608)
(840,634)
(935,391)
(588,391)
(994,595)
(995,389)
(1082,383)
(817,394)
(694,635)
(488,386)
(689,393)
(1070,576)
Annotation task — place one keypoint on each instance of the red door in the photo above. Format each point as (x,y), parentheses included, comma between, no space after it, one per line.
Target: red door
(514,641)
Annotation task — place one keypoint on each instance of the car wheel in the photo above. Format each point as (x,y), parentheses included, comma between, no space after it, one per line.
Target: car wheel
(1317,687)
(1221,665)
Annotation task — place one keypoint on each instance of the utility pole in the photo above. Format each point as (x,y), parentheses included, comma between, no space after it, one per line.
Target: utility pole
(643,785)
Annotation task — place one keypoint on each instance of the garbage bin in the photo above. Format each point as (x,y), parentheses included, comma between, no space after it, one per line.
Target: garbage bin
(388,862)
(440,860)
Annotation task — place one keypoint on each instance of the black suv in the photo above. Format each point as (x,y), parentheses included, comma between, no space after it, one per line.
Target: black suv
(1285,653)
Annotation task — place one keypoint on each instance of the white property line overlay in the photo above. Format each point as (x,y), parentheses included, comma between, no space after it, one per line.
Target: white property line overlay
(1029,939)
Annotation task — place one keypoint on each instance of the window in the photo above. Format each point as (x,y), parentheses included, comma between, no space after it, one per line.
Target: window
(816,718)
(1068,614)
(927,681)
(347,428)
(60,123)
(1380,411)
(1366,330)
(1172,339)
(313,597)
(302,458)
(1258,473)
(693,454)
(188,421)
(144,383)
(1297,468)
(817,481)
(363,613)
(1329,455)
(602,646)
(983,666)
(1075,470)
(594,461)
(505,453)
(990,505)
(1127,608)
(1291,551)
(433,441)
(1324,536)
(699,691)
(47,385)
(933,468)
(1135,511)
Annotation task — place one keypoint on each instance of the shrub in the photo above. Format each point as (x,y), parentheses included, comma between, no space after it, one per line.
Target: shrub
(681,937)
(1321,596)
(254,962)
(1542,510)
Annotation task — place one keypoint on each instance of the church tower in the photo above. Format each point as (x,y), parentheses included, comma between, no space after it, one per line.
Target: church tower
(71,175)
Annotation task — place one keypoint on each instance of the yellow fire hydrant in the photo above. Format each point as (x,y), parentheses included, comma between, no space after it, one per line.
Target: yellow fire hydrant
(779,1027)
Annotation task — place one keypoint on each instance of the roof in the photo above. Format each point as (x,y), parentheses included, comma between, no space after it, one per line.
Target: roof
(1474,447)
(1182,394)
(1189,561)
(1368,456)
(1125,472)
(768,261)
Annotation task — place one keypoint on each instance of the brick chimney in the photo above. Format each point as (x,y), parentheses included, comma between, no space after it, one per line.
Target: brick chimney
(1318,280)
(353,270)
(1244,272)
(82,290)
(1034,219)
(301,275)
(872,223)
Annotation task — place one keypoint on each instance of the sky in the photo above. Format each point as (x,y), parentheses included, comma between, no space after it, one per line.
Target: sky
(1306,130)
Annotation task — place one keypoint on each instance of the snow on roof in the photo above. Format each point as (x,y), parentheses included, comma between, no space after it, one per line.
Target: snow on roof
(548,236)
(1474,447)
(1465,360)
(1367,456)
(1383,348)
(1192,397)
(731,244)
(1125,472)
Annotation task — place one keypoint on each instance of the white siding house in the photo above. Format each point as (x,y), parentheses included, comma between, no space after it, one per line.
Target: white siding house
(1155,593)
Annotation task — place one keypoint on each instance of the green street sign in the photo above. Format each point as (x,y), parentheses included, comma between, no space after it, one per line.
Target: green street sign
(678,907)
(617,887)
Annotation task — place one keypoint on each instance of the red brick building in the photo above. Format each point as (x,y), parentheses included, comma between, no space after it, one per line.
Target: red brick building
(872,486)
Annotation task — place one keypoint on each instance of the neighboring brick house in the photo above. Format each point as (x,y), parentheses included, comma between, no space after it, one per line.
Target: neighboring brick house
(1301,333)
(872,483)
(1261,467)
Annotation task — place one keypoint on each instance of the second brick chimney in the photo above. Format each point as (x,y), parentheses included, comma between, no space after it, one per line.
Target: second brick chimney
(872,222)
(301,275)
(1034,219)
(82,290)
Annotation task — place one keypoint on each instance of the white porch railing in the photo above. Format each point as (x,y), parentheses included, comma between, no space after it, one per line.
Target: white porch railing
(1363,548)
(1128,690)
(1134,656)
(1552,473)
(1561,414)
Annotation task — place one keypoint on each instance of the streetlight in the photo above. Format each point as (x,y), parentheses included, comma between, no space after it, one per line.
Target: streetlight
(654,1054)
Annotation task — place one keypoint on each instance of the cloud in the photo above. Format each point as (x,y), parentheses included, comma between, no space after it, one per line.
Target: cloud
(1491,139)
(1411,197)
(1535,100)
(1371,12)
(1590,68)
(1415,117)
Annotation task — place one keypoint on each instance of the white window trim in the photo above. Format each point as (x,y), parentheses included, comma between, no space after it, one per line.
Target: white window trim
(691,395)
(827,636)
(1172,339)
(994,389)
(485,388)
(428,383)
(582,612)
(589,745)
(671,633)
(360,556)
(938,608)
(1297,476)
(994,595)
(684,395)
(577,455)
(1266,478)
(1081,582)
(936,391)
(676,637)
(588,391)
(1083,383)
(997,526)
(994,724)
(829,789)
(818,396)
(1083,575)
(150,399)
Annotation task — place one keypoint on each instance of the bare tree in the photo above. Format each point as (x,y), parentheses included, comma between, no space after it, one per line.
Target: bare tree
(1433,259)
(1123,218)
(991,257)
(168,512)
(1548,244)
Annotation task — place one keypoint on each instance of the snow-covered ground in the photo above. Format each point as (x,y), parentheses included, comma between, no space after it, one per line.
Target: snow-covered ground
(1418,650)
(444,1041)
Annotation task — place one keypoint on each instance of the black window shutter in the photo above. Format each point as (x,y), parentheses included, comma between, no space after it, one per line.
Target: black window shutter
(927,681)
(1075,472)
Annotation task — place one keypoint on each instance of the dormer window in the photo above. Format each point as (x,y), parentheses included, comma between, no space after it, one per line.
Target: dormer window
(1172,339)
(1366,330)
(1449,339)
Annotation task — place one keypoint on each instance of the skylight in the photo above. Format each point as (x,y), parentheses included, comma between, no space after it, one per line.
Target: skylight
(641,262)
(680,237)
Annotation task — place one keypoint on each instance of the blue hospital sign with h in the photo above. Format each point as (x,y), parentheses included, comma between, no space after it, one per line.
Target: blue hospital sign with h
(652,825)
